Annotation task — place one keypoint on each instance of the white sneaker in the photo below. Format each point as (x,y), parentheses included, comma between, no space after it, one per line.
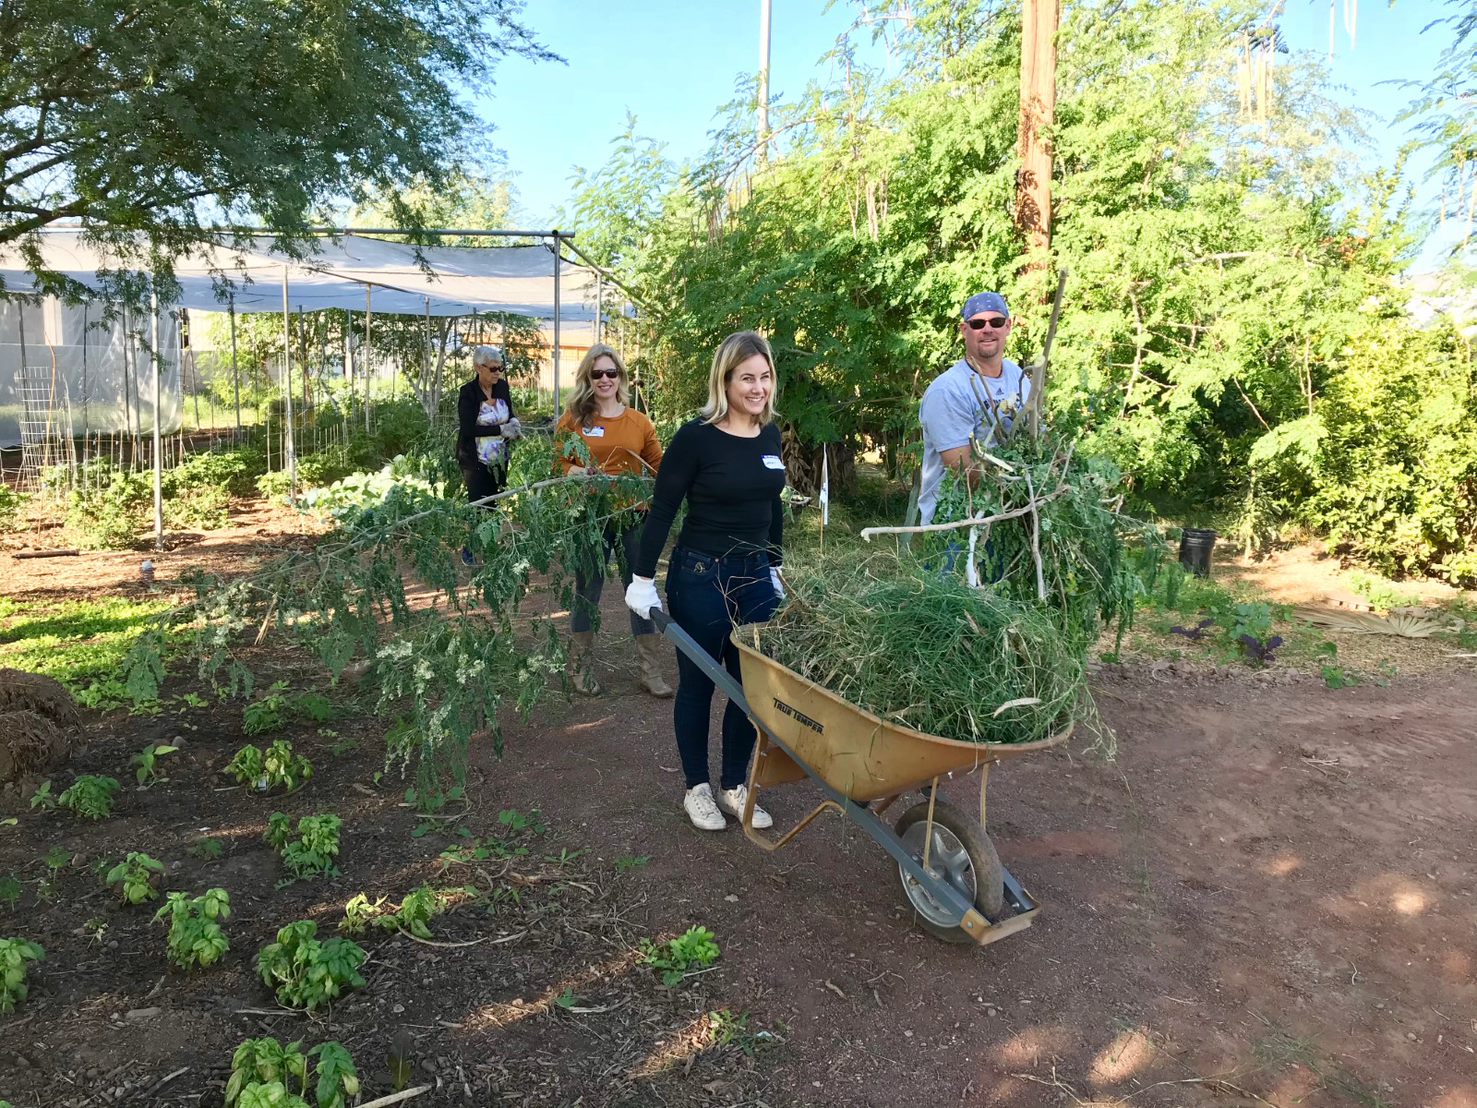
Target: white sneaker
(733,800)
(701,810)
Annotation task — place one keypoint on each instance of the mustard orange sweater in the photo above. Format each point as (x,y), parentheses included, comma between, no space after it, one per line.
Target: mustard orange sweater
(618,445)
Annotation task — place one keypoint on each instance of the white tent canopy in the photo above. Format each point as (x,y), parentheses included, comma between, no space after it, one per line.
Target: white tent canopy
(404,280)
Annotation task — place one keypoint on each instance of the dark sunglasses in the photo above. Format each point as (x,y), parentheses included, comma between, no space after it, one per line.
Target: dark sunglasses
(491,368)
(980,324)
(596,374)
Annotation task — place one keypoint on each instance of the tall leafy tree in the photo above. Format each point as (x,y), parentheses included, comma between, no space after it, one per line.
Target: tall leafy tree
(153,120)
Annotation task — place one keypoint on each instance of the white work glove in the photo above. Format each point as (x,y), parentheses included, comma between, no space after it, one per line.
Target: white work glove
(641,596)
(512,429)
(774,579)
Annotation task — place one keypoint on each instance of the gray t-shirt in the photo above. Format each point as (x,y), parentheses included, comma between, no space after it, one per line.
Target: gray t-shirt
(952,414)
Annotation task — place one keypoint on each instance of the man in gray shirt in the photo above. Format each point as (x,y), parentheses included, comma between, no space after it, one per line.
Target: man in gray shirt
(974,399)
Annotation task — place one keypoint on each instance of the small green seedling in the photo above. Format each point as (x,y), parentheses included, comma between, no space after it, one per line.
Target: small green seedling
(147,761)
(95,929)
(305,972)
(208,850)
(518,823)
(10,890)
(90,796)
(277,768)
(195,936)
(15,958)
(627,862)
(135,877)
(312,853)
(57,859)
(695,949)
(42,798)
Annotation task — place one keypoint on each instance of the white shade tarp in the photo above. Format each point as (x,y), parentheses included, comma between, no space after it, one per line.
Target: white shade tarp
(405,280)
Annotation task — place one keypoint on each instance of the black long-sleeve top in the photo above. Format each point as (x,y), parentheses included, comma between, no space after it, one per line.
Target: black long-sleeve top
(468,404)
(732,486)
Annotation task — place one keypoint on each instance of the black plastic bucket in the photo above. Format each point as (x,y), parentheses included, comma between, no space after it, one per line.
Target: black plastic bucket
(1195,546)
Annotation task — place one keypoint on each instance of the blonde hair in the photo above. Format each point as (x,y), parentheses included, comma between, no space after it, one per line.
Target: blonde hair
(731,353)
(582,404)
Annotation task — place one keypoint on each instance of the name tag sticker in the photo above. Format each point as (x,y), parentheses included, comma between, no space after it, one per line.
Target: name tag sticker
(593,432)
(772,461)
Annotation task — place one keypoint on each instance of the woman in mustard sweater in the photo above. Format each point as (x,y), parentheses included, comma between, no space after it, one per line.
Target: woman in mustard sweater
(620,440)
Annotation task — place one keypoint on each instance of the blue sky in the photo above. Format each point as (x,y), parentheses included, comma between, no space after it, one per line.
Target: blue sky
(674,62)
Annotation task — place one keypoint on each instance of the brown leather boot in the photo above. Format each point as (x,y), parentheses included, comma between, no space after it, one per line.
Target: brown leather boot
(649,647)
(580,668)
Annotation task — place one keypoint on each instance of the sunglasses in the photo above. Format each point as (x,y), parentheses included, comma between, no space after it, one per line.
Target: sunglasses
(491,367)
(980,324)
(612,374)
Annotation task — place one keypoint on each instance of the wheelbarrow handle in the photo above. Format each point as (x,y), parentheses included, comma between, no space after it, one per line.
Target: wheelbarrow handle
(699,657)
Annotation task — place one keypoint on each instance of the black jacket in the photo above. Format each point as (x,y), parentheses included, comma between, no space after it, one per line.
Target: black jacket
(468,404)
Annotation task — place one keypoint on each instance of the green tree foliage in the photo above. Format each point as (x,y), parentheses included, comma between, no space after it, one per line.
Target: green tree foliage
(1445,115)
(1227,269)
(161,116)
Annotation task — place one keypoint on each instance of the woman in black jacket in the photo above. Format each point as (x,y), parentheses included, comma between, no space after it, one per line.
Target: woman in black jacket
(485,428)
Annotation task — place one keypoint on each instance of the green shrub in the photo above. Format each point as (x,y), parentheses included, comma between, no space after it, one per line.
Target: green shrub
(304,972)
(263,1072)
(695,949)
(278,768)
(90,796)
(312,853)
(195,935)
(15,958)
(135,877)
(10,505)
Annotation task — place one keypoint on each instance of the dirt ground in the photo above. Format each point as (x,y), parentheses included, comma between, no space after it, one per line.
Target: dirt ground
(1267,899)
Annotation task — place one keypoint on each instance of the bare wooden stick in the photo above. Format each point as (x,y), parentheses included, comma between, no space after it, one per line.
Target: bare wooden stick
(396,1098)
(1038,386)
(973,521)
(1036,538)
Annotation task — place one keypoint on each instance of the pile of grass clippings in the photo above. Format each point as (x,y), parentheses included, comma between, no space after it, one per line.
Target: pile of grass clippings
(925,650)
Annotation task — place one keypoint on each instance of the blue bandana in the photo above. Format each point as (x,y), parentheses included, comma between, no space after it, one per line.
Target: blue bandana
(985,302)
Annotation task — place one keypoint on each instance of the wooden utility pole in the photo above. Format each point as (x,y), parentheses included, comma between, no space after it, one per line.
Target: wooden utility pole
(1039,22)
(764,19)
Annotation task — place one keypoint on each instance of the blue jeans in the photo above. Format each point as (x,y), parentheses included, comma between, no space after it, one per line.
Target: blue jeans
(709,597)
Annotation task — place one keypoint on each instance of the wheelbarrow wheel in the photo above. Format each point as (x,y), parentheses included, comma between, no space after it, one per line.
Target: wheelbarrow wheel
(961,853)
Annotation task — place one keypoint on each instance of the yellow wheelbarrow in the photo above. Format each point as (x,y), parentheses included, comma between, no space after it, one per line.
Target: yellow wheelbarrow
(947,865)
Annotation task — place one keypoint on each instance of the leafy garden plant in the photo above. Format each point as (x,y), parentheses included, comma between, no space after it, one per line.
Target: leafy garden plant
(276,768)
(15,958)
(413,916)
(311,854)
(135,877)
(195,937)
(305,972)
(695,949)
(90,796)
(263,1072)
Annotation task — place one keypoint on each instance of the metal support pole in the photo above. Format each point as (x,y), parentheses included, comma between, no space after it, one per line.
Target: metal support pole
(158,362)
(290,447)
(428,389)
(368,349)
(599,302)
(557,238)
(235,366)
(86,406)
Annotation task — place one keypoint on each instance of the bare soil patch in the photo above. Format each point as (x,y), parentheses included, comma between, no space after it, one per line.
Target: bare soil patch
(1267,899)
